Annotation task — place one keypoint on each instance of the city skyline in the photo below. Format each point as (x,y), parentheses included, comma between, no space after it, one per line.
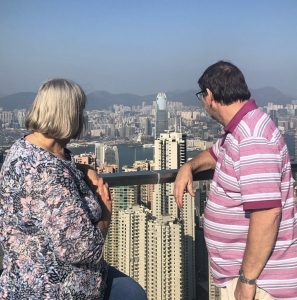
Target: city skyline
(145,46)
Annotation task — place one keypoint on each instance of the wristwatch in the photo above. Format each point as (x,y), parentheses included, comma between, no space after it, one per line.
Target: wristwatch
(245,280)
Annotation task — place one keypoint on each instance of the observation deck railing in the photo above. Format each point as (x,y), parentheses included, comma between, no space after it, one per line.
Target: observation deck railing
(148,177)
(156,177)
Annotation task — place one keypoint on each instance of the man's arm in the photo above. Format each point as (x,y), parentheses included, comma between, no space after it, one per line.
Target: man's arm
(263,230)
(184,179)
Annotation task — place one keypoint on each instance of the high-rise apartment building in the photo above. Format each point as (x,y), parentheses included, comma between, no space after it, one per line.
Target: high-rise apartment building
(170,153)
(122,198)
(187,215)
(214,291)
(146,190)
(161,117)
(133,242)
(170,150)
(201,255)
(99,153)
(21,117)
(203,273)
(200,199)
(146,125)
(274,117)
(6,118)
(165,259)
(106,154)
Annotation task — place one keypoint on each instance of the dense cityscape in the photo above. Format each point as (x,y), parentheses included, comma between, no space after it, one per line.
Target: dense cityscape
(149,238)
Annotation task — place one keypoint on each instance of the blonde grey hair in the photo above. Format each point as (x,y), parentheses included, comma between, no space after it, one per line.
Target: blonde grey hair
(58,109)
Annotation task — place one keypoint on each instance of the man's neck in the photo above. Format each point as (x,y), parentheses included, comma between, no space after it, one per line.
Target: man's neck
(227,112)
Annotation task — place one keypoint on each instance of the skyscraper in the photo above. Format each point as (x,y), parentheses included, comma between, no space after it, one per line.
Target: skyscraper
(122,198)
(161,117)
(133,242)
(165,259)
(146,190)
(170,153)
(146,125)
(273,115)
(214,291)
(99,153)
(156,248)
(106,154)
(187,215)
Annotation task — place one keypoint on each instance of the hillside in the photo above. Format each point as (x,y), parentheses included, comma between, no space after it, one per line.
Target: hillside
(104,100)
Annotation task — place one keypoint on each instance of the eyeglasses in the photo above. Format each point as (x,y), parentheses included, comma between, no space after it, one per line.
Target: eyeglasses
(199,95)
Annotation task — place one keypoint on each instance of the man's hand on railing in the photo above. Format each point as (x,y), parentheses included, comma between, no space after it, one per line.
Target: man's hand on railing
(183,182)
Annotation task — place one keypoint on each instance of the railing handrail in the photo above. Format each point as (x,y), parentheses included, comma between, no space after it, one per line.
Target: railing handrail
(155,177)
(148,177)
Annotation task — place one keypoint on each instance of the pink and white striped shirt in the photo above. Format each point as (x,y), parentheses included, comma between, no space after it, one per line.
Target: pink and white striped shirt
(253,172)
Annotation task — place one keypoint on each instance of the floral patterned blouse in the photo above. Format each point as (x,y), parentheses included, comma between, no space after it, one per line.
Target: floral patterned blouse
(48,215)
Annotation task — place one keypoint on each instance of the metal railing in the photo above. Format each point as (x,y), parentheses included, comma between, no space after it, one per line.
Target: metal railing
(148,177)
(155,177)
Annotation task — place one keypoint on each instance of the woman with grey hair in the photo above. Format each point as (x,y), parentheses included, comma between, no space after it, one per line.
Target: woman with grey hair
(52,223)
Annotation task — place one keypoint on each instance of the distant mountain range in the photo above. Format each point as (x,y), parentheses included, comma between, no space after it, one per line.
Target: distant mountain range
(103,100)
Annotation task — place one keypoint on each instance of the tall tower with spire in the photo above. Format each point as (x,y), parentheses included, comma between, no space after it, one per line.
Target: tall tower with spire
(161,117)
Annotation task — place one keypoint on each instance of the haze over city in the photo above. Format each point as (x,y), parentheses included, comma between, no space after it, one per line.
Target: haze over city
(143,47)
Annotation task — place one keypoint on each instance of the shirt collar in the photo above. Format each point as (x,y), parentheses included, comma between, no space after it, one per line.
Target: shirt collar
(248,106)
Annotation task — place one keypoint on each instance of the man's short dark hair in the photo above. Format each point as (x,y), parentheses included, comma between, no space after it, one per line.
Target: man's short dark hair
(226,82)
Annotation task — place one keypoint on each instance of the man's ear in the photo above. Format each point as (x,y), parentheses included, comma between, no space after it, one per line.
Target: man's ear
(209,93)
(209,98)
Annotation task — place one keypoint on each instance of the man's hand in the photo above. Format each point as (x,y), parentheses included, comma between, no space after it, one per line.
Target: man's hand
(244,291)
(183,181)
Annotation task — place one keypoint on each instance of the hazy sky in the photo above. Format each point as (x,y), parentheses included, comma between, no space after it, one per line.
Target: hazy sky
(147,46)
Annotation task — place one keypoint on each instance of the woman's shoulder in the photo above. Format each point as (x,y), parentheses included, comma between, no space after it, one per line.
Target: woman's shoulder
(14,155)
(28,159)
(24,152)
(23,157)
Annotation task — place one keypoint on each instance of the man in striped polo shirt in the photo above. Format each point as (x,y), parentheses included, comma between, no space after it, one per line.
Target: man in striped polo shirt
(251,216)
